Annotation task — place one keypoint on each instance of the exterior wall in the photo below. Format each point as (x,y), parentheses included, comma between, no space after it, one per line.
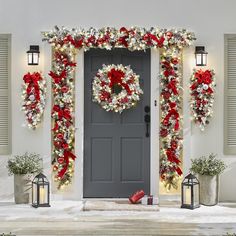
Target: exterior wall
(26,19)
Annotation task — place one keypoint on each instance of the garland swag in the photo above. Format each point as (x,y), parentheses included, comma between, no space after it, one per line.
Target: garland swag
(67,42)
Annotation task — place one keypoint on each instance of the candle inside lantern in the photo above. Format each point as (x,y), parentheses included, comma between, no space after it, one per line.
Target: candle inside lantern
(188,196)
(42,195)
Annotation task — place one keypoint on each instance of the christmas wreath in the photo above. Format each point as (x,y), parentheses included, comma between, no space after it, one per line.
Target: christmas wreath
(116,88)
(202,96)
(34,96)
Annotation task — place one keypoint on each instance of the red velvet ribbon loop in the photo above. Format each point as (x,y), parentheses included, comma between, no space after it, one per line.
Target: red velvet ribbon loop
(116,77)
(32,81)
(62,112)
(58,78)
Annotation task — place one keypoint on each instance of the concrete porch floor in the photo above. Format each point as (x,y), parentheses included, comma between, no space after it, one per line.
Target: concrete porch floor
(67,218)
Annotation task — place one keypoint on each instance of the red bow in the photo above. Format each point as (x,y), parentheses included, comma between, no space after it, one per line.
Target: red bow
(32,80)
(203,76)
(62,113)
(116,77)
(58,78)
(76,42)
(149,38)
(67,156)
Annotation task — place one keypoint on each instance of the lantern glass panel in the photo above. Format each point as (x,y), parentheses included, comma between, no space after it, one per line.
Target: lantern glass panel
(34,194)
(35,58)
(187,195)
(30,58)
(196,194)
(199,59)
(43,194)
(204,59)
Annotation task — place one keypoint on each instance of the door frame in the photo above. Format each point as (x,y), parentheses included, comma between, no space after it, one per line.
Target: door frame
(79,125)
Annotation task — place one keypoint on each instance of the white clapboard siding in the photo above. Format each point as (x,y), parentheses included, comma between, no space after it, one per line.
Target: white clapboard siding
(5,111)
(230,95)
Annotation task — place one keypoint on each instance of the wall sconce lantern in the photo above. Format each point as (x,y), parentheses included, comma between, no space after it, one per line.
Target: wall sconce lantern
(190,192)
(40,191)
(200,56)
(33,55)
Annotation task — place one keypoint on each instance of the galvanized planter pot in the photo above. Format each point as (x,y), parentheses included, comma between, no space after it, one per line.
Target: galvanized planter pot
(22,188)
(209,190)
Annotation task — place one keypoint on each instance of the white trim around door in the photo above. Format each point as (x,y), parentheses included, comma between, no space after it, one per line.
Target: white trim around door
(77,188)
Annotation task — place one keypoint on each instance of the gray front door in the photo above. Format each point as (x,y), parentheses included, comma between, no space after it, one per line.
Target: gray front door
(116,149)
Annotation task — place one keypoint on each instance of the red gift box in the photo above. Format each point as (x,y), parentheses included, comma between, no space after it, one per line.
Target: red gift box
(136,196)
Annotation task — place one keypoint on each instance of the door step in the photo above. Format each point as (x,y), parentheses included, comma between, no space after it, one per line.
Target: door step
(116,205)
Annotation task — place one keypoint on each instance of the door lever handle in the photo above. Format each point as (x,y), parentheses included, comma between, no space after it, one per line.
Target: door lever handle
(147,121)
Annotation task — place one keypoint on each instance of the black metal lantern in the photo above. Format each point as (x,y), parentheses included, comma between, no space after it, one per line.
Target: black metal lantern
(33,55)
(40,191)
(200,56)
(190,192)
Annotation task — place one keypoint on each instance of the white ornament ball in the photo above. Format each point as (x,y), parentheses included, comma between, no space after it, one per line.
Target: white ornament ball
(205,86)
(199,90)
(165,42)
(133,40)
(31,97)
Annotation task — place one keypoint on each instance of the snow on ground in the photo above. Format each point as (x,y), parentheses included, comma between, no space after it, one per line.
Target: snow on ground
(72,211)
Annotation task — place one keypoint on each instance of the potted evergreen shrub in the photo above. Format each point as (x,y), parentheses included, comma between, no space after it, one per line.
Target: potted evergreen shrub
(23,167)
(208,170)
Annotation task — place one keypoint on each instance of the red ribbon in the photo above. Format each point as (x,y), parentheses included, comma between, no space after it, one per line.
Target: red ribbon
(32,80)
(172,86)
(171,113)
(104,39)
(179,171)
(56,126)
(67,156)
(172,157)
